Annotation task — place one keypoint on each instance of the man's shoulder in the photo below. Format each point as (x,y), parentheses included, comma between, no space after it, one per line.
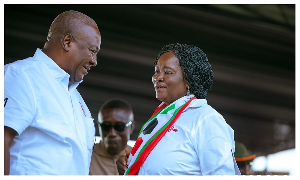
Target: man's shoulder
(22,65)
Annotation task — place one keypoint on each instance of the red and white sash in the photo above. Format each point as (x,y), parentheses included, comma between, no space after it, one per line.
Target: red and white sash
(165,117)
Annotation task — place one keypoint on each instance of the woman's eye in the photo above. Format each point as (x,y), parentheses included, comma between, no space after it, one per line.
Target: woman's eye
(156,71)
(168,72)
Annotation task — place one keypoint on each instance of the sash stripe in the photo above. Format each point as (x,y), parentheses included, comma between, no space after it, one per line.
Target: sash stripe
(156,112)
(152,142)
(159,108)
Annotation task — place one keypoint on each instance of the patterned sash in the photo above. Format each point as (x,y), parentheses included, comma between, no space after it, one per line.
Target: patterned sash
(150,136)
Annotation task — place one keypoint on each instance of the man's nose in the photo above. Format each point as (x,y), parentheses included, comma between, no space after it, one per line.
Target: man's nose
(93,61)
(112,132)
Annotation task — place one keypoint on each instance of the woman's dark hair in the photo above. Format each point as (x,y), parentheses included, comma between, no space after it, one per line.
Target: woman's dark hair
(196,68)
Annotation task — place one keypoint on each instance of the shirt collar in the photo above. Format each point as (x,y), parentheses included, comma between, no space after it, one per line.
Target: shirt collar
(197,103)
(194,104)
(59,74)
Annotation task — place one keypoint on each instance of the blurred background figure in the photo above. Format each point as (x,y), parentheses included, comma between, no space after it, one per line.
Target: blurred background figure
(116,124)
(243,158)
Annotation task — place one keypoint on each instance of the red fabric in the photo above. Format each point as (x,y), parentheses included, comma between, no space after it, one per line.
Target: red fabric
(139,141)
(245,158)
(136,146)
(159,108)
(136,166)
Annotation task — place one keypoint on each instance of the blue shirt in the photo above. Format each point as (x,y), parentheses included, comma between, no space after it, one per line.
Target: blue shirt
(54,126)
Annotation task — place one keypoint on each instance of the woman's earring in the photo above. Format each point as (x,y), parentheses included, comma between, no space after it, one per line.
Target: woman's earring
(188,91)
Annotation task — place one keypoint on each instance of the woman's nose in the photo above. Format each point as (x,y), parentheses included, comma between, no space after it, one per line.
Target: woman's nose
(158,77)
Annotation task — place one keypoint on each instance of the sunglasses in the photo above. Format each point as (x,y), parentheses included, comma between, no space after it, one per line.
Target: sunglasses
(118,126)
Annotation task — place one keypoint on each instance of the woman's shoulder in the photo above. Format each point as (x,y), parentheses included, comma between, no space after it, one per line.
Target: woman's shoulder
(201,108)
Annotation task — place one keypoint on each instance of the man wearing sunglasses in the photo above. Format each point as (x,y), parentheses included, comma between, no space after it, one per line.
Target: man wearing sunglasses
(116,124)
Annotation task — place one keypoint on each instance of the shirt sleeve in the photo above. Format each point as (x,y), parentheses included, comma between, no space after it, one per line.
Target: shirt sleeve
(214,146)
(18,100)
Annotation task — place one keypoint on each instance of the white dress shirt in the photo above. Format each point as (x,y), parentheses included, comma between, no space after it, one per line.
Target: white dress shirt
(54,126)
(199,143)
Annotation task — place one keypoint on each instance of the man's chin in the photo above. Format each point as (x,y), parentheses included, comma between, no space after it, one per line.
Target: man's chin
(112,150)
(78,79)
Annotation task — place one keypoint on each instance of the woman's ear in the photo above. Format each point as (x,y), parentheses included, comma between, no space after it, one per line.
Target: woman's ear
(187,88)
(186,85)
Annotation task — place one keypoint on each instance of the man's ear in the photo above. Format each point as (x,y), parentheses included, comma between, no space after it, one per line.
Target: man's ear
(66,41)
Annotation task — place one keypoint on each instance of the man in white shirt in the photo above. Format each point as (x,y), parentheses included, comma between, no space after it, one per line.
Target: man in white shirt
(48,129)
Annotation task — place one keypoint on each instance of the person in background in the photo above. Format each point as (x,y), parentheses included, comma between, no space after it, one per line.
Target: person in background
(116,124)
(243,158)
(48,129)
(185,135)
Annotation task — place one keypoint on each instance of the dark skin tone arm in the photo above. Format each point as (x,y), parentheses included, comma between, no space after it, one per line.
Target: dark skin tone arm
(9,135)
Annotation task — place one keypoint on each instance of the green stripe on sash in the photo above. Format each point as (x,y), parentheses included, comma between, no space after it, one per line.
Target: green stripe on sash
(159,131)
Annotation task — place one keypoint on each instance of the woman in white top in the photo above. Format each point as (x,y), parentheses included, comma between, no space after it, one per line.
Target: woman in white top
(185,135)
